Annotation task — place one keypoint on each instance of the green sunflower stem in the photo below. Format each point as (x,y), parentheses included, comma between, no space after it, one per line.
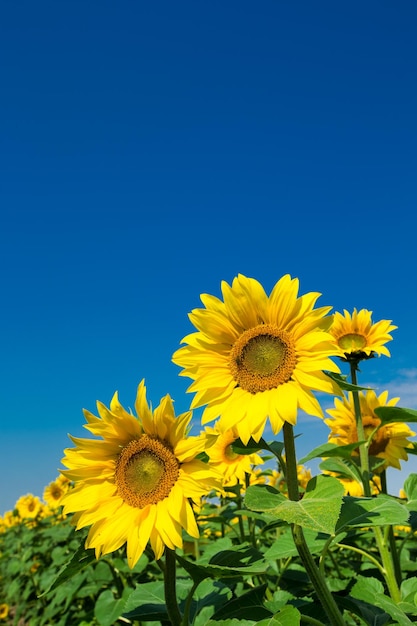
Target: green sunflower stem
(317,580)
(387,562)
(387,557)
(170,588)
(363,450)
(391,537)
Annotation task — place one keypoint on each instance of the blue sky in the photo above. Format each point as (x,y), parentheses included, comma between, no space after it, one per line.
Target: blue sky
(151,150)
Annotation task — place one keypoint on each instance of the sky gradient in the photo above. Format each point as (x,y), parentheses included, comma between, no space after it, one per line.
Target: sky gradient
(152,150)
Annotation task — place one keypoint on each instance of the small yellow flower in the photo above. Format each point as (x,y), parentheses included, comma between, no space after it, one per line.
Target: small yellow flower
(399,530)
(356,337)
(4,610)
(256,357)
(387,442)
(136,482)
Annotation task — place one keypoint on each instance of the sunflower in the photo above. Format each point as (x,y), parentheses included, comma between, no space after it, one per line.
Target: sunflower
(255,356)
(387,442)
(29,506)
(232,466)
(357,338)
(134,484)
(9,519)
(54,492)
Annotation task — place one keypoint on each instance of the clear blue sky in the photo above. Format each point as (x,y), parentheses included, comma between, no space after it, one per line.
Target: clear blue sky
(150,150)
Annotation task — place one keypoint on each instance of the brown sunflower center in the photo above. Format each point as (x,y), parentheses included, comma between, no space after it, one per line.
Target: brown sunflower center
(229,453)
(262,358)
(146,471)
(56,492)
(352,342)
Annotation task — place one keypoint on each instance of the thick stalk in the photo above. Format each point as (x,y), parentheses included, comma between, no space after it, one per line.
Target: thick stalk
(388,560)
(363,450)
(187,607)
(170,588)
(391,538)
(317,580)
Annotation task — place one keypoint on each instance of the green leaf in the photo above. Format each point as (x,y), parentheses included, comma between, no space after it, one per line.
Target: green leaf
(390,414)
(331,450)
(381,510)
(371,614)
(287,616)
(284,547)
(390,607)
(107,608)
(409,590)
(247,606)
(230,622)
(365,588)
(147,602)
(276,447)
(207,598)
(318,509)
(342,468)
(226,564)
(410,487)
(340,379)
(80,559)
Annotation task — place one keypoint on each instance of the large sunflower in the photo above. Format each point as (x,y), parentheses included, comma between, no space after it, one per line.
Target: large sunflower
(356,337)
(232,466)
(255,356)
(135,483)
(388,442)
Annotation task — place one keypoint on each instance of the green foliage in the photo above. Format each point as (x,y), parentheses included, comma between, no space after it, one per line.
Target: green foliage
(252,574)
(392,414)
(318,510)
(380,510)
(343,383)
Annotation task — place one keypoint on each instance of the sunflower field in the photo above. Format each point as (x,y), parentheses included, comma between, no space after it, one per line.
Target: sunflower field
(149,524)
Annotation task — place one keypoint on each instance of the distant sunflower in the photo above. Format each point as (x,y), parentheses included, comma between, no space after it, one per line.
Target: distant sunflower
(4,610)
(356,337)
(29,506)
(135,483)
(255,356)
(9,519)
(232,466)
(54,492)
(388,442)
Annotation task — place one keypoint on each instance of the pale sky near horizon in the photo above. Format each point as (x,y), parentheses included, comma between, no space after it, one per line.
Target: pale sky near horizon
(152,150)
